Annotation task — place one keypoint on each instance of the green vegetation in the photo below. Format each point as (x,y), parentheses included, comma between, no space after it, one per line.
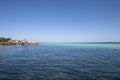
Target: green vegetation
(4,40)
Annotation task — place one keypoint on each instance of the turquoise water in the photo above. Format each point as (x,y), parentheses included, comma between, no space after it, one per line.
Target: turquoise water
(60,61)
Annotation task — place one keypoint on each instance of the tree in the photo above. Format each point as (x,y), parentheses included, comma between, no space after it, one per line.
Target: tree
(2,39)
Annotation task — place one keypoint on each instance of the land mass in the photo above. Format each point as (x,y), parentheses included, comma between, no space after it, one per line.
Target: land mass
(95,42)
(9,41)
(87,42)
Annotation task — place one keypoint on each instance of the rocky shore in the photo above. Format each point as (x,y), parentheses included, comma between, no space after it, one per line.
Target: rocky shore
(9,41)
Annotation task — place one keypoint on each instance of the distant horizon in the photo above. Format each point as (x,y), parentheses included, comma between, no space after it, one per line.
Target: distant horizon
(61,20)
(63,41)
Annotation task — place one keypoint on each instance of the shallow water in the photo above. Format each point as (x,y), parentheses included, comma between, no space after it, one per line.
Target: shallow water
(60,61)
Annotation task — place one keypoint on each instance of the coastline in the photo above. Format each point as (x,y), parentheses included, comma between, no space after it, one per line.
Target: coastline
(9,41)
(86,42)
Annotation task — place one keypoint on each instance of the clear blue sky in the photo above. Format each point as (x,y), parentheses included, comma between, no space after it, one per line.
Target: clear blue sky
(60,20)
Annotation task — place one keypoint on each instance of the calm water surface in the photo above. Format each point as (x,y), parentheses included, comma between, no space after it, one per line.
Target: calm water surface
(59,61)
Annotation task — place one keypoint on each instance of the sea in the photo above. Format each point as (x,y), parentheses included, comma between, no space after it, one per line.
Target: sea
(60,61)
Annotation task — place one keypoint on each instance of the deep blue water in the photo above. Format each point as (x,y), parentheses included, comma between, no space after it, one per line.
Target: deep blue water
(59,61)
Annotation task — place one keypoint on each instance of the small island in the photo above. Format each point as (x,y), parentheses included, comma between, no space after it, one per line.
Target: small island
(9,41)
